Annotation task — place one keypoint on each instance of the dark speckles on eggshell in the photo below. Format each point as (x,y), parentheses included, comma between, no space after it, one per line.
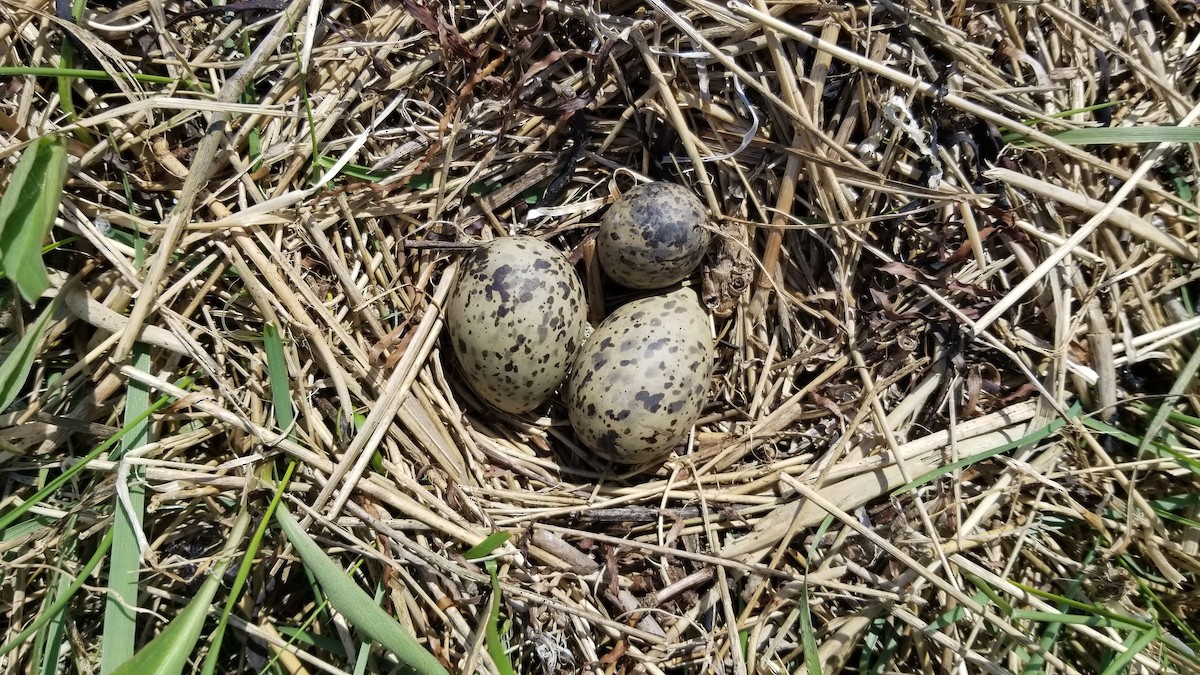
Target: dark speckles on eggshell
(631,409)
(651,402)
(656,345)
(653,236)
(497,318)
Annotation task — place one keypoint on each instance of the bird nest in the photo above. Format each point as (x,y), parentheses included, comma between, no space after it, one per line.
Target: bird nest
(953,424)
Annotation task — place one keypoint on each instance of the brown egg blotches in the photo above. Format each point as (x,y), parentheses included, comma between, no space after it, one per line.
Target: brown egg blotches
(516,318)
(653,236)
(639,383)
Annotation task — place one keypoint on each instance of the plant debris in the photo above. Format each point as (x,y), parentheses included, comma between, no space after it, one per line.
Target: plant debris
(954,420)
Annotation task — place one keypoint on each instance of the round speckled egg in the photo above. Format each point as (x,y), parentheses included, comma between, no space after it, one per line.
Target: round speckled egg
(516,319)
(637,386)
(653,236)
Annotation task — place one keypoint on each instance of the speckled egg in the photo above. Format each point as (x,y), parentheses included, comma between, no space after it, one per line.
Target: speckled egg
(637,386)
(653,236)
(516,318)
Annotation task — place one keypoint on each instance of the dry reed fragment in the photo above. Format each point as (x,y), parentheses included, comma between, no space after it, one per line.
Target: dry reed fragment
(856,159)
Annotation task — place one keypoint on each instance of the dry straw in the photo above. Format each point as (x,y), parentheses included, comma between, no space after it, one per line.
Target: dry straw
(934,440)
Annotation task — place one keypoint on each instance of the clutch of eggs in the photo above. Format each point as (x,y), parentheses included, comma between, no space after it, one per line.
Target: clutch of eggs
(517,320)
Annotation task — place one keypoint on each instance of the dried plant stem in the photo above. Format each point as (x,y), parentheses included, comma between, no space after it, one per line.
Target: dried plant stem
(197,178)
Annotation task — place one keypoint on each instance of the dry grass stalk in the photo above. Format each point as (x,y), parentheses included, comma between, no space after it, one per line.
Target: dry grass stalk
(936,273)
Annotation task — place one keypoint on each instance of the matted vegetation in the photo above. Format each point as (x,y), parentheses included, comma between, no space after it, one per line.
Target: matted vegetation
(954,426)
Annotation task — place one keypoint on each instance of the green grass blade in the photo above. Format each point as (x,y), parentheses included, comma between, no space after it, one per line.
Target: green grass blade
(1134,647)
(16,366)
(1071,619)
(40,524)
(277,376)
(254,148)
(1126,135)
(11,516)
(955,614)
(243,573)
(45,617)
(495,645)
(1177,502)
(120,605)
(80,73)
(881,642)
(420,181)
(51,638)
(362,660)
(354,604)
(27,211)
(303,637)
(989,593)
(1083,606)
(1152,446)
(812,655)
(1183,381)
(1173,415)
(66,96)
(818,537)
(53,245)
(1185,628)
(484,548)
(167,654)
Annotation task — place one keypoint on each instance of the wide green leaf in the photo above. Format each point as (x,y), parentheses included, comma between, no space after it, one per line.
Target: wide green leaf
(354,604)
(167,654)
(119,635)
(27,211)
(16,366)
(495,645)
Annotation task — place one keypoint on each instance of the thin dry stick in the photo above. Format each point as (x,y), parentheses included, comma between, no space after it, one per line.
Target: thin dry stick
(854,491)
(731,617)
(881,422)
(787,187)
(1016,294)
(951,99)
(734,565)
(921,570)
(373,487)
(678,121)
(774,423)
(373,429)
(198,175)
(1120,217)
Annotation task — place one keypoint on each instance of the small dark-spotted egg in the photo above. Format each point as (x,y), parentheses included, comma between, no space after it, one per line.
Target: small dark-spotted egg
(637,386)
(653,236)
(516,319)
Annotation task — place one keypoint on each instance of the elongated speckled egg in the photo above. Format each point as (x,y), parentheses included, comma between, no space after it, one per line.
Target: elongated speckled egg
(516,318)
(653,236)
(638,385)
